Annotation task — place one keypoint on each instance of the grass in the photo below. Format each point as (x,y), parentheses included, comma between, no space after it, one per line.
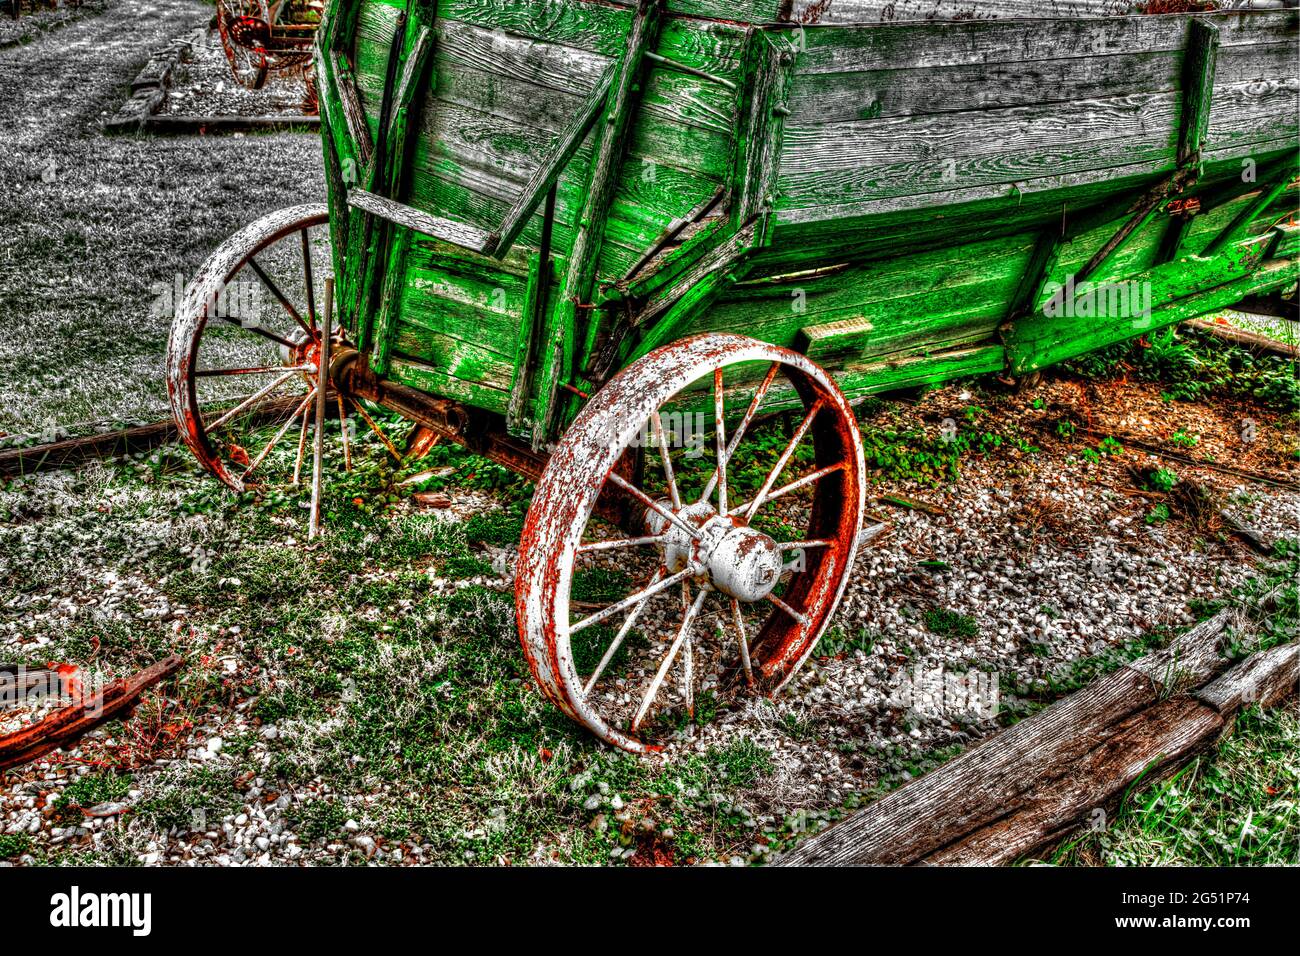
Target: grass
(415,705)
(948,623)
(1239,805)
(14,845)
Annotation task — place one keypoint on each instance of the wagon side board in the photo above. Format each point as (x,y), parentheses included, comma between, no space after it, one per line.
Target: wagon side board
(529,195)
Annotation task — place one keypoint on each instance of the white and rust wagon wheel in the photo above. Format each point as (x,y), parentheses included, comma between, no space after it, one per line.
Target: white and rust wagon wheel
(245,30)
(243,360)
(704,548)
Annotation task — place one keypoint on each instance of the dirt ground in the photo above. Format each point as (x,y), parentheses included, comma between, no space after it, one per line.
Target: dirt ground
(364,698)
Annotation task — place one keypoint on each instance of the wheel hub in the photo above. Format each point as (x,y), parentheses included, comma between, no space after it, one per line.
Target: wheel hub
(305,351)
(728,555)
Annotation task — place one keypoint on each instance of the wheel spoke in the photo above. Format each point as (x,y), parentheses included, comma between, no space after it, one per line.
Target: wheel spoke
(803,545)
(258,330)
(744,424)
(720,439)
(623,631)
(743,641)
(392,449)
(280,296)
(797,615)
(280,433)
(795,485)
(255,397)
(253,370)
(647,592)
(302,450)
(662,439)
(683,632)
(307,274)
(784,459)
(653,505)
(343,427)
(619,543)
(688,655)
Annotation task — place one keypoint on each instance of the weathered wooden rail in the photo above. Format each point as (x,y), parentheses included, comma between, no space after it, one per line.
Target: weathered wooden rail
(1032,784)
(68,452)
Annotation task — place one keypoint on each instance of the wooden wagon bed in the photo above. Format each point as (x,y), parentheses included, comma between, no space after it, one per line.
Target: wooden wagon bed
(896,200)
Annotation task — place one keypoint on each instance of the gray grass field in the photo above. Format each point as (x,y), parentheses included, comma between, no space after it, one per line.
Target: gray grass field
(94,227)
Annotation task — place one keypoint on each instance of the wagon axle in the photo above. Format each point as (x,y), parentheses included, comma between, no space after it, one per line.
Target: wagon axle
(724,554)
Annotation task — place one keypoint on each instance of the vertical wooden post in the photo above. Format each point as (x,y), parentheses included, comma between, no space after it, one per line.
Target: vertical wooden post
(584,257)
(1199,64)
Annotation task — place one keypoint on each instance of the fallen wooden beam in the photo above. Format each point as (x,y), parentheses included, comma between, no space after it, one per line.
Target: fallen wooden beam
(1144,743)
(123,441)
(1029,783)
(1146,746)
(72,451)
(1250,340)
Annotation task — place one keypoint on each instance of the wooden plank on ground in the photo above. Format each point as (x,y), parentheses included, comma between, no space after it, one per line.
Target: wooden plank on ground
(977,788)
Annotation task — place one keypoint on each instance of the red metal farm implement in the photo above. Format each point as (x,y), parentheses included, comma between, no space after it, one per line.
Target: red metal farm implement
(261,38)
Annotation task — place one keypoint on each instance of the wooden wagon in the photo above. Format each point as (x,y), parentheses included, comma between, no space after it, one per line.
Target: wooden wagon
(558,229)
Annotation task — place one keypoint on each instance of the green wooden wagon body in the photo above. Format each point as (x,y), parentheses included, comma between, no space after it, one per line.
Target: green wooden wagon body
(898,201)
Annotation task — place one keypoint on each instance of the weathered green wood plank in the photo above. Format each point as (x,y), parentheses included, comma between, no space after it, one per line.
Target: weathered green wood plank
(1206,226)
(596,27)
(1175,289)
(592,27)
(471,309)
(920,45)
(407,371)
(911,370)
(1075,189)
(516,151)
(453,356)
(672,96)
(1240,112)
(815,187)
(895,275)
(879,93)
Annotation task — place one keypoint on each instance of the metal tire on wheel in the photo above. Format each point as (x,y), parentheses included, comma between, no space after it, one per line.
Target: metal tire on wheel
(709,544)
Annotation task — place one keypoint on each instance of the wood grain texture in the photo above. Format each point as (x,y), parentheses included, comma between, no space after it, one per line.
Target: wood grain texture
(923,45)
(904,91)
(1264,679)
(1140,747)
(978,788)
(444,229)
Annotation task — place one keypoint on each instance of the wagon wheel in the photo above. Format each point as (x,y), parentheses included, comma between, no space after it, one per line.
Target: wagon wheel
(705,547)
(245,346)
(245,30)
